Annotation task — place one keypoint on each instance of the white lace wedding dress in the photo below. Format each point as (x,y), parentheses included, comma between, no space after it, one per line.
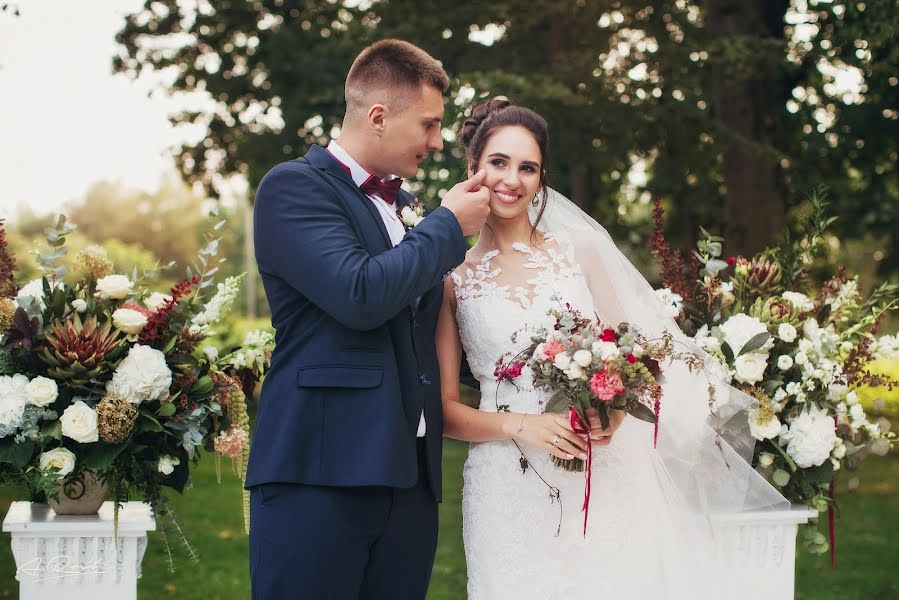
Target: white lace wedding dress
(639,543)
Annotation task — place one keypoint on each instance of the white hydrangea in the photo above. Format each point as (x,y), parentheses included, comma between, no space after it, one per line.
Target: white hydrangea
(143,376)
(741,328)
(887,347)
(13,398)
(810,437)
(672,303)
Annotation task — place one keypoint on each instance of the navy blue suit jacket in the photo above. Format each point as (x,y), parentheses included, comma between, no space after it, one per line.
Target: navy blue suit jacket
(354,317)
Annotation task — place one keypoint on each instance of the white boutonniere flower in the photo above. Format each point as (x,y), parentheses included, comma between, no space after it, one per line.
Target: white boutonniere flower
(412,214)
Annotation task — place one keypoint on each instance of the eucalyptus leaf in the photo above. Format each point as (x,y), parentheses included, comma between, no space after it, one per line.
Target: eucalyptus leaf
(755,342)
(642,412)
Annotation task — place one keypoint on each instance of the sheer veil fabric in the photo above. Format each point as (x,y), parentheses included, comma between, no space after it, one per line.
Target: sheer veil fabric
(706,447)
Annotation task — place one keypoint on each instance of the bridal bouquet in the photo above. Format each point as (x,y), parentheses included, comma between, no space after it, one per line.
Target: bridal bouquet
(587,364)
(803,353)
(103,380)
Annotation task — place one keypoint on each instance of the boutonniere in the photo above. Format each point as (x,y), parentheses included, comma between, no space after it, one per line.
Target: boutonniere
(412,214)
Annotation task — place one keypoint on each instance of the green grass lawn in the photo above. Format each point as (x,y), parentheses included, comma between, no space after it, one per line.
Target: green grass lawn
(211,516)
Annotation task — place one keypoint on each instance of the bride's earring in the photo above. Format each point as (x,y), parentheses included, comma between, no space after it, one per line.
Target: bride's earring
(535,202)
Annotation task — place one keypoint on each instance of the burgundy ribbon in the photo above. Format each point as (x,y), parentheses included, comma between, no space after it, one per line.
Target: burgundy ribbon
(581,428)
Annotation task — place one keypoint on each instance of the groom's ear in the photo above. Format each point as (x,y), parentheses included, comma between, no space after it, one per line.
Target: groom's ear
(376,114)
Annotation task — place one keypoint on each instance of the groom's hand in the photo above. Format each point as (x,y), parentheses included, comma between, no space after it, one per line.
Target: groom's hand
(598,435)
(469,201)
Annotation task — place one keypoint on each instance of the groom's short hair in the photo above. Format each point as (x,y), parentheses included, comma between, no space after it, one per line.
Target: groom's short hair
(391,72)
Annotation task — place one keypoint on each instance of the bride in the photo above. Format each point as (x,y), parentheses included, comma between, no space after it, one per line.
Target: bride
(648,533)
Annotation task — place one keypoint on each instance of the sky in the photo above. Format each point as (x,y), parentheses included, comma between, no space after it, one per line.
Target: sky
(65,120)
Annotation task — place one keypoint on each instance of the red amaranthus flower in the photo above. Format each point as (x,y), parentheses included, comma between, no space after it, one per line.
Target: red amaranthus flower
(676,274)
(158,321)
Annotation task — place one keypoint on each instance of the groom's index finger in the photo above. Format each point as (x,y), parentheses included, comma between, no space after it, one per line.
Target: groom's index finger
(475,181)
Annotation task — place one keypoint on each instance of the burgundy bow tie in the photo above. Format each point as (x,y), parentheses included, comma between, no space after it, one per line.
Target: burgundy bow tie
(388,190)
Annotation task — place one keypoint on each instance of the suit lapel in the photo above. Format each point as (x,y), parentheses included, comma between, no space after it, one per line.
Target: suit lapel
(320,158)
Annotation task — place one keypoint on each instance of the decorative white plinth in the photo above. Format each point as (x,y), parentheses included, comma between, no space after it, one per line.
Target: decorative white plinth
(75,557)
(759,549)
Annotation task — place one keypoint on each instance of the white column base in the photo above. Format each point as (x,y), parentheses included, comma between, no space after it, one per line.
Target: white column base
(75,557)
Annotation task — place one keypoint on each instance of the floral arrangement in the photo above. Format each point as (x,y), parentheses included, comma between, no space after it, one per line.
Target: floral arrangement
(101,376)
(802,353)
(589,365)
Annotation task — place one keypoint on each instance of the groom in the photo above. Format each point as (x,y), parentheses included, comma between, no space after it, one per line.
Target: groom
(344,472)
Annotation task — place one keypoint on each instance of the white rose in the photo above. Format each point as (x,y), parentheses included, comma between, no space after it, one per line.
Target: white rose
(115,287)
(574,371)
(167,464)
(583,358)
(763,430)
(784,362)
(155,301)
(143,376)
(79,422)
(408,216)
(800,301)
(741,328)
(42,391)
(562,360)
(801,359)
(79,305)
(13,398)
(58,458)
(810,437)
(852,398)
(129,320)
(766,459)
(750,368)
(856,412)
(787,332)
(810,328)
(840,450)
(605,350)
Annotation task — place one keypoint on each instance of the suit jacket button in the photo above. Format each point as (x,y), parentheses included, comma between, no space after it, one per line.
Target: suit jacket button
(424,379)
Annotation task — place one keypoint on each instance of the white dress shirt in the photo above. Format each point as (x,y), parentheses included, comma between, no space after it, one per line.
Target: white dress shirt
(392,222)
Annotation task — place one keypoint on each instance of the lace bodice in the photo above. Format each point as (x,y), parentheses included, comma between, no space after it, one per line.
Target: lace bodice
(499,295)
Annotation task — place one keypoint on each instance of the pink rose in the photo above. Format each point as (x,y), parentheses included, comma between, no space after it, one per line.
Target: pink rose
(551,348)
(606,385)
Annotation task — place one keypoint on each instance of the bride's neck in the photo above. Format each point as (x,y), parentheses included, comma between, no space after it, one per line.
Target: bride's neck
(503,233)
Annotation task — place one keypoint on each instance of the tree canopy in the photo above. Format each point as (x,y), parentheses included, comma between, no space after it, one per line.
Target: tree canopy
(729,110)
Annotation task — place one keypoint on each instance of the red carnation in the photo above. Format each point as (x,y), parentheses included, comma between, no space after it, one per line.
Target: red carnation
(631,358)
(608,335)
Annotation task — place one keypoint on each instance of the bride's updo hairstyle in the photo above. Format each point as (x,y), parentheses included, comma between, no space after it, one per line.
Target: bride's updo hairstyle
(495,114)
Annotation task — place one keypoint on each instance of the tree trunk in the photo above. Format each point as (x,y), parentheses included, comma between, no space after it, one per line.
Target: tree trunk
(746,103)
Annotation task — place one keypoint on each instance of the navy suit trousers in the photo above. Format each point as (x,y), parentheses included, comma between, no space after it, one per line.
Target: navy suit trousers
(311,542)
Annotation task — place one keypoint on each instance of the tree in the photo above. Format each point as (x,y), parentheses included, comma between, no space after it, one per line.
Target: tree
(697,94)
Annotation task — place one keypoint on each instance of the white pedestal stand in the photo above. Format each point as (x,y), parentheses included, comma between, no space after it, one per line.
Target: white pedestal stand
(75,557)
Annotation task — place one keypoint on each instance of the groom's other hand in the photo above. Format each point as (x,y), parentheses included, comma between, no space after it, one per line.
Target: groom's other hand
(469,201)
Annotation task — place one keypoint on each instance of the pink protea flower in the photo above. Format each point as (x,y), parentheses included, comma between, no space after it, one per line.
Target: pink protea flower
(606,385)
(551,348)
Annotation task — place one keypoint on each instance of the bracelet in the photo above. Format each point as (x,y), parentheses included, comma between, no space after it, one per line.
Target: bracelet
(520,424)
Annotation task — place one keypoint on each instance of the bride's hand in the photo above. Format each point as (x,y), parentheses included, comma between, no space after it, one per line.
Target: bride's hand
(598,435)
(552,433)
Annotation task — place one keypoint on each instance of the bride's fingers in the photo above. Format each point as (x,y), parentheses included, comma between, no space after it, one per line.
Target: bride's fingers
(557,452)
(573,439)
(566,447)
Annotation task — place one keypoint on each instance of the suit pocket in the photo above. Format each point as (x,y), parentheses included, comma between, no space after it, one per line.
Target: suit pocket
(340,376)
